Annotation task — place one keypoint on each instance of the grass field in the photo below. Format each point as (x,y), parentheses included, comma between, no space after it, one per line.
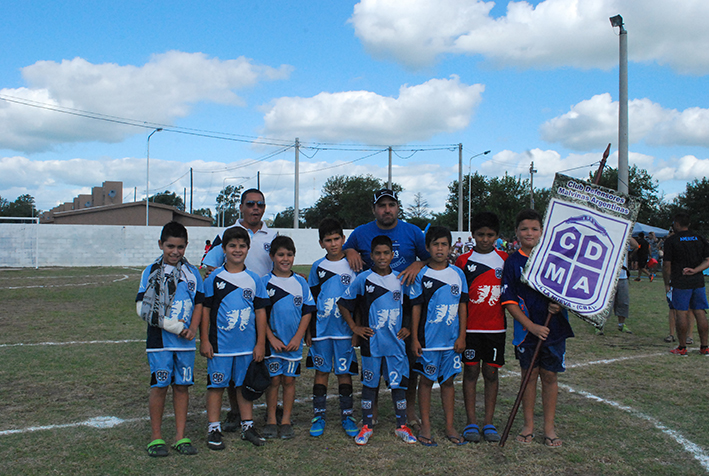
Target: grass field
(74,385)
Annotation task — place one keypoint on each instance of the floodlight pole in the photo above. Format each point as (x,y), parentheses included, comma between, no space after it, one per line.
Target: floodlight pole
(296,200)
(470,181)
(460,187)
(147,179)
(617,21)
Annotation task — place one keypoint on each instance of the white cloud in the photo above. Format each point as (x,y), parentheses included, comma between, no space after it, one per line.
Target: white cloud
(419,113)
(687,168)
(594,122)
(551,34)
(160,91)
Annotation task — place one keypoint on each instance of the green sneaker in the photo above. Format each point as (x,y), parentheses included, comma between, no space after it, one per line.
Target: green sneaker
(624,328)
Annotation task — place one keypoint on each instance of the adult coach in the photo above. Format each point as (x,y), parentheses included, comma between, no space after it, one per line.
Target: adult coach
(252,208)
(686,256)
(409,244)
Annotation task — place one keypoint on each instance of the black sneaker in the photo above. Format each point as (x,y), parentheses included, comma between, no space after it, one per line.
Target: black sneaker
(232,422)
(252,435)
(214,440)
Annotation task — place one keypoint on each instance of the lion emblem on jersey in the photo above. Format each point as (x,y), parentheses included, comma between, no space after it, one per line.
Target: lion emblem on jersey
(430,369)
(274,366)
(248,294)
(162,375)
(368,376)
(388,318)
(297,301)
(469,354)
(237,316)
(345,279)
(217,377)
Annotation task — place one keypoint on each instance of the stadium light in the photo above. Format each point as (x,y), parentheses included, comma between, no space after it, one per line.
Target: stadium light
(147,179)
(470,179)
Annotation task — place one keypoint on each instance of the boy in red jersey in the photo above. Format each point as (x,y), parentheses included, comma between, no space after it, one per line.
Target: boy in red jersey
(485,336)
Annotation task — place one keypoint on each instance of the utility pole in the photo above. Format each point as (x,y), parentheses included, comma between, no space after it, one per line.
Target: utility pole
(617,21)
(297,184)
(191,189)
(460,187)
(389,180)
(532,171)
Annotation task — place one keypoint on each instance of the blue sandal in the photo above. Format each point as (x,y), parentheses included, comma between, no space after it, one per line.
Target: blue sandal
(490,434)
(472,433)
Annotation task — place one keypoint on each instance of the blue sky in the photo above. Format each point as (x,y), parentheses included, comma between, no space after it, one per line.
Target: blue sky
(528,81)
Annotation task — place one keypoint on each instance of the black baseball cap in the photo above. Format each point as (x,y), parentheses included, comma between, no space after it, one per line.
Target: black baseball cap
(385,192)
(256,381)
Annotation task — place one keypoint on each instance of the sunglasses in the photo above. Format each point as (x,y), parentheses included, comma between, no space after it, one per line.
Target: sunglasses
(253,203)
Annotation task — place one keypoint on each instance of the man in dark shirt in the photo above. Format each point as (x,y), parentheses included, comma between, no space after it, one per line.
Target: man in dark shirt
(686,256)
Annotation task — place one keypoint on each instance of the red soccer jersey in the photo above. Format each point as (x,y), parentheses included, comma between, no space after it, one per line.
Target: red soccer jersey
(483,273)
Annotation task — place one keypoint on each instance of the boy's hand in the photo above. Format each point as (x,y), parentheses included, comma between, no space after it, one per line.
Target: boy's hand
(276,344)
(205,349)
(459,345)
(540,331)
(408,276)
(363,332)
(308,339)
(403,333)
(188,333)
(416,347)
(355,340)
(554,308)
(689,271)
(209,271)
(294,344)
(260,352)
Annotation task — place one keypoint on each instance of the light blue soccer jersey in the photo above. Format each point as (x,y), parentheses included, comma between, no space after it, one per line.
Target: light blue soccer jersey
(328,282)
(189,292)
(380,298)
(439,292)
(290,301)
(232,299)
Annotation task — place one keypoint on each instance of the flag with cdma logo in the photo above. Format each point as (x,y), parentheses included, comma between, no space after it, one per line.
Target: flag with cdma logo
(581,253)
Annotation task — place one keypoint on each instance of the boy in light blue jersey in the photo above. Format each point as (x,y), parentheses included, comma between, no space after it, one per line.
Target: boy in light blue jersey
(380,293)
(232,333)
(288,317)
(329,336)
(170,299)
(438,323)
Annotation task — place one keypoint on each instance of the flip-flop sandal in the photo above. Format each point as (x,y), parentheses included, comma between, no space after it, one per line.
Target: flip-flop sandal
(157,448)
(471,433)
(457,440)
(184,447)
(552,442)
(426,441)
(525,439)
(490,434)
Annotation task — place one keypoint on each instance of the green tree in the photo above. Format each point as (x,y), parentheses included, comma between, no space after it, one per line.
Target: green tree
(228,202)
(694,201)
(418,213)
(640,185)
(169,198)
(284,219)
(23,206)
(347,198)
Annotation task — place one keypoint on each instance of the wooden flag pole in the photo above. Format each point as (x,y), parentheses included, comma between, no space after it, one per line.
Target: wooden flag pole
(523,387)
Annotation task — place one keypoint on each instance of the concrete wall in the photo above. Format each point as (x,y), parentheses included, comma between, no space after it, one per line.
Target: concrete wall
(106,245)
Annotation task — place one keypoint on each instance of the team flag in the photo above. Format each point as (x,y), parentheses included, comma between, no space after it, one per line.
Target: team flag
(581,253)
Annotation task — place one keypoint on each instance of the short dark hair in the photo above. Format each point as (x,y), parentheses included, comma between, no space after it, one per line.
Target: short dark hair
(235,233)
(382,240)
(251,190)
(329,226)
(641,235)
(173,229)
(485,220)
(528,214)
(281,241)
(682,218)
(436,232)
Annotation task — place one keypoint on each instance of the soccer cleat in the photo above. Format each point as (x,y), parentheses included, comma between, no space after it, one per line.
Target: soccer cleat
(652,277)
(214,440)
(363,436)
(624,328)
(350,427)
(704,351)
(678,351)
(318,426)
(405,434)
(252,436)
(232,422)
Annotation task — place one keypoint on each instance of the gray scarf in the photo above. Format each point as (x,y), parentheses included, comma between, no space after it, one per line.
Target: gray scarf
(160,292)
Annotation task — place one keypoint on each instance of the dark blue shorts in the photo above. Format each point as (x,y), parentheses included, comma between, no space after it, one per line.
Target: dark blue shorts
(686,299)
(551,357)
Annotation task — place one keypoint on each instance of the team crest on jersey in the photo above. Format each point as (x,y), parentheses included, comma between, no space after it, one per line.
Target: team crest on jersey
(469,354)
(267,247)
(369,289)
(191,286)
(217,377)
(318,361)
(428,284)
(430,369)
(472,268)
(221,285)
(249,294)
(271,292)
(297,301)
(498,273)
(322,274)
(455,290)
(368,376)
(345,279)
(162,375)
(274,366)
(397,295)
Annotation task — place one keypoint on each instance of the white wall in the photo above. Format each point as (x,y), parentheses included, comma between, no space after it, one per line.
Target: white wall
(103,245)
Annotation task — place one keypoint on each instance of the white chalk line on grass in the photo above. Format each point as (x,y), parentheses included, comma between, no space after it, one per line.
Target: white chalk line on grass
(127,341)
(122,277)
